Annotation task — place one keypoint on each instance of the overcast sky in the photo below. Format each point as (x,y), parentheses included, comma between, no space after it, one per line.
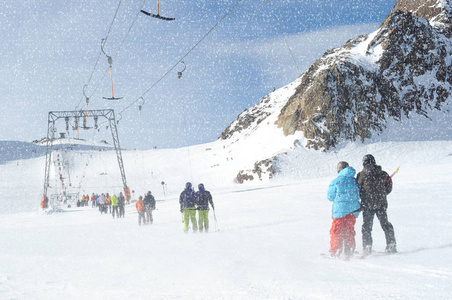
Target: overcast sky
(50,48)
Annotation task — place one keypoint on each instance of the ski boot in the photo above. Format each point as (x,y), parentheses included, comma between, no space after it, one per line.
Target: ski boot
(367,250)
(391,248)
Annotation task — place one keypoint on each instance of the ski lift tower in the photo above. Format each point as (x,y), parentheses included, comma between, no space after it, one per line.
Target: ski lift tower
(108,114)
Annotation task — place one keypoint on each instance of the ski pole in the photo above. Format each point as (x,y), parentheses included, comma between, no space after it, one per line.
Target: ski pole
(216,223)
(395,172)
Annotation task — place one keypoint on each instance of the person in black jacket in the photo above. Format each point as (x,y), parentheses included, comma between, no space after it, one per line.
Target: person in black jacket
(121,204)
(149,206)
(374,185)
(188,208)
(202,200)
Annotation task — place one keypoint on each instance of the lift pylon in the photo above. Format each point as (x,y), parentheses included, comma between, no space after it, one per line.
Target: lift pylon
(108,114)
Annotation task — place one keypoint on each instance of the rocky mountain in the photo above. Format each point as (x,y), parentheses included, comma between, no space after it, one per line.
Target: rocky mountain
(350,94)
(403,68)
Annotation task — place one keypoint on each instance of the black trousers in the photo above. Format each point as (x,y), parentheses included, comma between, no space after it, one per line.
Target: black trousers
(115,209)
(149,215)
(368,220)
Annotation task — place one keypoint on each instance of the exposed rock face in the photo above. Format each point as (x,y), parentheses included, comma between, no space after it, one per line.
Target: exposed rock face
(261,168)
(404,67)
(250,117)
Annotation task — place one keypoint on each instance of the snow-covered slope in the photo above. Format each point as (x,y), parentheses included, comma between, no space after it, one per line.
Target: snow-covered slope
(270,234)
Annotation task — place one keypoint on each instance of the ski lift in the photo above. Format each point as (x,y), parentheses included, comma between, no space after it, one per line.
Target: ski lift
(76,121)
(140,106)
(85,127)
(110,62)
(96,118)
(85,122)
(66,119)
(179,74)
(158,16)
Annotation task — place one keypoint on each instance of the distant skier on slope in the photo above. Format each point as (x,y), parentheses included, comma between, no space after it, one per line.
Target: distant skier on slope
(187,207)
(374,185)
(149,206)
(93,200)
(140,209)
(44,202)
(108,203)
(344,193)
(202,200)
(121,204)
(103,203)
(114,205)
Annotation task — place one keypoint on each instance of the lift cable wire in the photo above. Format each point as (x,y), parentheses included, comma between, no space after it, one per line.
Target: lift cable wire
(285,41)
(183,57)
(130,28)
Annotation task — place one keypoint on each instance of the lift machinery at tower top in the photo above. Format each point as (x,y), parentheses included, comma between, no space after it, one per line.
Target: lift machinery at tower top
(108,114)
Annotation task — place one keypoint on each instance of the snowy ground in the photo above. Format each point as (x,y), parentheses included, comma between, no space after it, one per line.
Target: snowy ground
(269,240)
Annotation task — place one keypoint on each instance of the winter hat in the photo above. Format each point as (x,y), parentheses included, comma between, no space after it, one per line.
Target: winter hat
(342,165)
(368,159)
(141,197)
(201,187)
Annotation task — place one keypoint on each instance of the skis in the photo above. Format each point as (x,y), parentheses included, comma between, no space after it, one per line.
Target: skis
(329,256)
(357,255)
(377,254)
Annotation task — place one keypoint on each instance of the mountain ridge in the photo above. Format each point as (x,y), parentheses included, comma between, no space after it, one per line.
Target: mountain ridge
(354,92)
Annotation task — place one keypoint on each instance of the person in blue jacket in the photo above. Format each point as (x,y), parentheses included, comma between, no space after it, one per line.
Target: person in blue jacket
(344,193)
(188,208)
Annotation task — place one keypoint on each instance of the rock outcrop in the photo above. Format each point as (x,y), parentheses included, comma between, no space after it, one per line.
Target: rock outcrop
(404,67)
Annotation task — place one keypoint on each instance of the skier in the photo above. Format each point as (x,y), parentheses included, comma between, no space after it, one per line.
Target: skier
(108,203)
(374,184)
(140,209)
(149,206)
(202,200)
(187,207)
(103,203)
(114,205)
(121,204)
(344,193)
(45,202)
(93,200)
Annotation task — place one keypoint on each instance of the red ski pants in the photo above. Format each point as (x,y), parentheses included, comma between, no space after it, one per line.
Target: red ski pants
(342,233)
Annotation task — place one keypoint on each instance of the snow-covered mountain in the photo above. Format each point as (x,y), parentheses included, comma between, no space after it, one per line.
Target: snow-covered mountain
(393,84)
(270,233)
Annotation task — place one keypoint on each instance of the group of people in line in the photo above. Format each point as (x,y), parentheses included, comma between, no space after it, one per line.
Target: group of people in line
(192,202)
(114,205)
(371,186)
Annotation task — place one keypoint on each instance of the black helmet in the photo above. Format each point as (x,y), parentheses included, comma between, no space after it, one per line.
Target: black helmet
(188,185)
(201,187)
(149,193)
(368,159)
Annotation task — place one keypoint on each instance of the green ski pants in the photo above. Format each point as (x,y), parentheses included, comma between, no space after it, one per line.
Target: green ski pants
(190,214)
(203,220)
